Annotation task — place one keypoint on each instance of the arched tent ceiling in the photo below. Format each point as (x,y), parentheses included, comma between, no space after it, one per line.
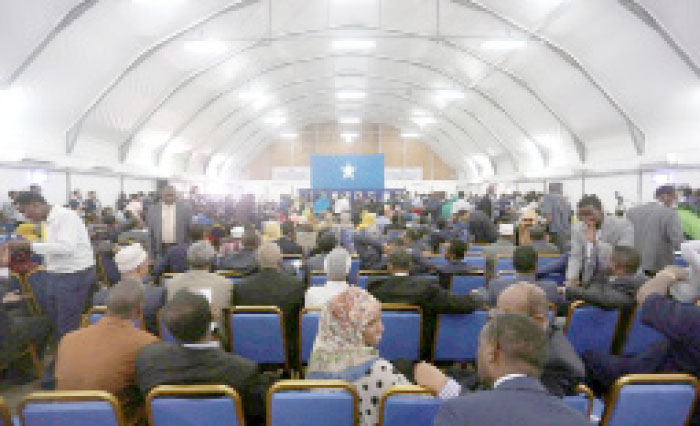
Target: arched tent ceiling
(528,86)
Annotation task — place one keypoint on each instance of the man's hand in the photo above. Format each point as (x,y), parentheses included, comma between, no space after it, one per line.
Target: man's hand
(429,376)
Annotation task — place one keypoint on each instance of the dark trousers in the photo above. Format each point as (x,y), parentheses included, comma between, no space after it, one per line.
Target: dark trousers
(67,296)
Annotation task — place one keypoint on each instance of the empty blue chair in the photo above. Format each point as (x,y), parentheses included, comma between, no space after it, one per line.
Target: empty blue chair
(651,400)
(354,270)
(464,284)
(308,329)
(257,333)
(476,248)
(457,336)
(436,260)
(312,403)
(74,408)
(408,405)
(402,332)
(504,263)
(590,327)
(194,405)
(478,262)
(639,336)
(317,279)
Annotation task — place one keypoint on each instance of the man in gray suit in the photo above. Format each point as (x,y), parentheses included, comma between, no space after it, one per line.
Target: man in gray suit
(593,239)
(658,232)
(168,221)
(557,210)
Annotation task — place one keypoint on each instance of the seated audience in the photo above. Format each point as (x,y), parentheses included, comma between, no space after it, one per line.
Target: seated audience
(563,369)
(456,263)
(620,289)
(326,243)
(400,287)
(370,252)
(198,279)
(678,352)
(525,262)
(337,268)
(345,348)
(196,358)
(512,354)
(273,287)
(539,240)
(245,260)
(287,241)
(481,227)
(504,246)
(103,356)
(132,263)
(271,231)
(174,261)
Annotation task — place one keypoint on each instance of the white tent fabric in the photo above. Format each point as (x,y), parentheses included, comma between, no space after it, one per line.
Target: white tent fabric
(511,87)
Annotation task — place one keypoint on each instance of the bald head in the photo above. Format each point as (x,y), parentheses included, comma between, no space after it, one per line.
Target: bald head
(269,255)
(124,299)
(525,299)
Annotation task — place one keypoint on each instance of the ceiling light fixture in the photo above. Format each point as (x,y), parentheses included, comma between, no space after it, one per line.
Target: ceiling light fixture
(350,95)
(348,137)
(409,135)
(275,120)
(289,135)
(209,46)
(353,44)
(503,44)
(422,121)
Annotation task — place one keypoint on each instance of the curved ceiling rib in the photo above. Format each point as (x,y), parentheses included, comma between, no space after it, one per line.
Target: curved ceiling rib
(296,83)
(635,132)
(125,147)
(74,131)
(645,16)
(578,143)
(76,12)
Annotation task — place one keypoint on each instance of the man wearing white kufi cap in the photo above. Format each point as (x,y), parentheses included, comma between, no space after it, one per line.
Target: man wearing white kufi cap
(504,246)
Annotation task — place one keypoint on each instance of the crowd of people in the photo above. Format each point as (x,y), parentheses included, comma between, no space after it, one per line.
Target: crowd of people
(95,254)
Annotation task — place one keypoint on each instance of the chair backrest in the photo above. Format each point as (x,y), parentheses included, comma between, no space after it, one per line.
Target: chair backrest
(408,405)
(234,276)
(476,260)
(74,408)
(505,273)
(308,328)
(582,401)
(590,327)
(504,263)
(402,332)
(651,399)
(365,275)
(679,261)
(95,313)
(5,418)
(477,248)
(210,405)
(354,270)
(317,402)
(639,336)
(436,259)
(457,336)
(464,284)
(163,331)
(317,279)
(257,333)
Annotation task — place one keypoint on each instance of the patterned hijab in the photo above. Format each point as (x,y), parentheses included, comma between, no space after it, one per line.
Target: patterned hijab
(340,351)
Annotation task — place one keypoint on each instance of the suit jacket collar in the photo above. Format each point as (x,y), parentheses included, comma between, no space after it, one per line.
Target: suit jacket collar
(530,384)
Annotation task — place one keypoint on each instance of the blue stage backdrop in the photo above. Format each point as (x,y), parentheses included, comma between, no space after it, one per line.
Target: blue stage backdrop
(352,172)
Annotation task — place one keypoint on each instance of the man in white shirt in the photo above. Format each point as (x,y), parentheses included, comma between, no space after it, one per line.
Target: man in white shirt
(68,257)
(460,204)
(168,221)
(337,267)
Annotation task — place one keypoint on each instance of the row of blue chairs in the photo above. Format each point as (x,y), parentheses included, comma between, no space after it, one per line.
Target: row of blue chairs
(640,400)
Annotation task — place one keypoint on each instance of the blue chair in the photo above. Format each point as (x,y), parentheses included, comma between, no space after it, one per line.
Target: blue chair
(308,320)
(37,282)
(477,261)
(477,248)
(457,336)
(582,401)
(504,263)
(234,276)
(365,275)
(354,270)
(590,327)
(163,331)
(651,400)
(679,261)
(74,408)
(402,332)
(194,405)
(109,268)
(317,279)
(312,403)
(436,260)
(257,333)
(544,260)
(507,273)
(639,336)
(95,313)
(408,405)
(394,234)
(464,284)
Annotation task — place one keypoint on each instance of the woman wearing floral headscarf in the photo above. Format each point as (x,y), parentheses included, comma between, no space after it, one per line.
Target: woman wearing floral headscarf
(345,349)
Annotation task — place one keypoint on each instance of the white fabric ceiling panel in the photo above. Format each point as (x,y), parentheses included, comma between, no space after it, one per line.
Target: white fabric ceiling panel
(681,20)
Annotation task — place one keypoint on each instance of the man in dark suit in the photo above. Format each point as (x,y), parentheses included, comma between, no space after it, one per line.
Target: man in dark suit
(679,352)
(273,287)
(525,262)
(286,242)
(620,289)
(326,243)
(168,221)
(197,358)
(455,265)
(245,260)
(481,227)
(175,259)
(512,353)
(421,291)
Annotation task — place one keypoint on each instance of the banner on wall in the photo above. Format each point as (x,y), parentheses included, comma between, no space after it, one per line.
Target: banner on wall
(347,172)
